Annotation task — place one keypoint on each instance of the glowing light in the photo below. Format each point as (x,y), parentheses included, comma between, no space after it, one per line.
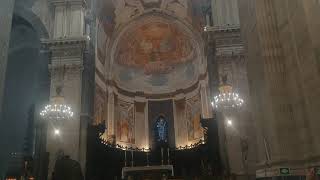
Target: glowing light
(57,132)
(205,28)
(229,123)
(227,100)
(227,97)
(57,111)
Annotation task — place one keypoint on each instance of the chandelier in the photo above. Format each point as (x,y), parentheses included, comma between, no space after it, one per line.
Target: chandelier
(227,98)
(57,109)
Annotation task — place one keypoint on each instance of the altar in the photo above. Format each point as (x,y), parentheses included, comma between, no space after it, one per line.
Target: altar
(138,172)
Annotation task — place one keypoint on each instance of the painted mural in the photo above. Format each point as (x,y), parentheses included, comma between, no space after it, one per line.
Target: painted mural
(155,47)
(193,113)
(99,106)
(125,122)
(135,79)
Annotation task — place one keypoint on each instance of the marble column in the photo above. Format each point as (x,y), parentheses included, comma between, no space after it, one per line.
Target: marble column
(6,12)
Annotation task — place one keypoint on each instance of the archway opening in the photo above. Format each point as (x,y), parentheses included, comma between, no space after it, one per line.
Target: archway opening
(26,86)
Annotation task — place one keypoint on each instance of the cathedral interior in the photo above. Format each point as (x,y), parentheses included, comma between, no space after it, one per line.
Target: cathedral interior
(159,89)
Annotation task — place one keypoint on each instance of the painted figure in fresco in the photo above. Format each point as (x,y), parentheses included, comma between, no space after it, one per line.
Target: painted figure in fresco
(193,119)
(124,133)
(155,47)
(196,125)
(125,126)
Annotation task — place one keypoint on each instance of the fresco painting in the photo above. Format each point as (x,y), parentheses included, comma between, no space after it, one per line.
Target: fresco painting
(193,113)
(155,47)
(114,14)
(99,105)
(126,122)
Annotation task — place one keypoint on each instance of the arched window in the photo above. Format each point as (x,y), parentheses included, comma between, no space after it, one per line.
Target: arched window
(161,129)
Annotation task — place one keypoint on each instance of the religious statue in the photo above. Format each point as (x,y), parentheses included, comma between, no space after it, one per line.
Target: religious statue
(162,129)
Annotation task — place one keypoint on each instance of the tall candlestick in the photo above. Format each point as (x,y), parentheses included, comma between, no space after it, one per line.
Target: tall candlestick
(131,157)
(168,150)
(147,158)
(125,158)
(161,156)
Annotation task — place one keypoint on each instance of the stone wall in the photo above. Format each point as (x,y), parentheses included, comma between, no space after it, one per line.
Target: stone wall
(283,71)
(225,13)
(6,12)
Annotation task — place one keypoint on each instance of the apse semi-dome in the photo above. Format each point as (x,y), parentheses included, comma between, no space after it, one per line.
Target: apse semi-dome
(156,54)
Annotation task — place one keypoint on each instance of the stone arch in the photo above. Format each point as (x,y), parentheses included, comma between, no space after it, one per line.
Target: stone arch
(26,75)
(33,19)
(165,82)
(30,42)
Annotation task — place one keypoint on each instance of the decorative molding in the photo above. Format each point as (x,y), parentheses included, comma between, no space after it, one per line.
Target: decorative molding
(64,41)
(158,96)
(67,2)
(67,52)
(222,28)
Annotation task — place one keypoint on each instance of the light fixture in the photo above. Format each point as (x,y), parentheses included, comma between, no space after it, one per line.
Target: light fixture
(227,98)
(229,122)
(56,132)
(205,28)
(57,109)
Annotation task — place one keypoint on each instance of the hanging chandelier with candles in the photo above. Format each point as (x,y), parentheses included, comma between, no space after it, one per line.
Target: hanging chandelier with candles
(57,109)
(227,98)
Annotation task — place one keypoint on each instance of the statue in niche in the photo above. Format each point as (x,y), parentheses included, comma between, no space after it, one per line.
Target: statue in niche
(126,9)
(162,129)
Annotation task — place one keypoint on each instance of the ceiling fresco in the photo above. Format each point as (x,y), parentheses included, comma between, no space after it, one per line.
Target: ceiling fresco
(155,47)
